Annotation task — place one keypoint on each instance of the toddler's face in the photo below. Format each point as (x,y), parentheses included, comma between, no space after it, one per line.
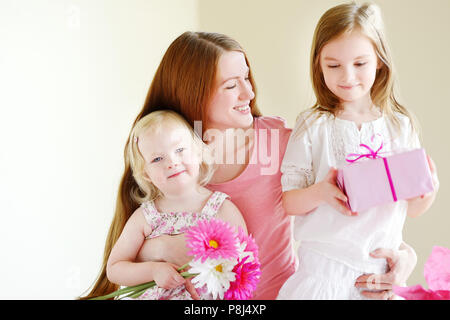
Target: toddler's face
(349,64)
(172,161)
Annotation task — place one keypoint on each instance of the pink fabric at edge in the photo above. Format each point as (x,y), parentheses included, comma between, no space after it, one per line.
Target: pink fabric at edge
(437,275)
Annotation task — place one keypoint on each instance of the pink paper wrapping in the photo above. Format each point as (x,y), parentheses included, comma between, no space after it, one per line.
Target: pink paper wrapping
(437,276)
(369,183)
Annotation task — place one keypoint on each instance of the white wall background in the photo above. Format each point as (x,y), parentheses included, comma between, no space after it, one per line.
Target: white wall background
(74,74)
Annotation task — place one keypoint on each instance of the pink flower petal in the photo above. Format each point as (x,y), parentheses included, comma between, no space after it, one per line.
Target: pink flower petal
(437,269)
(214,239)
(251,245)
(419,293)
(247,278)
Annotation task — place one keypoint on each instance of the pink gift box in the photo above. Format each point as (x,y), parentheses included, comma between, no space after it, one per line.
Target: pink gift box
(373,182)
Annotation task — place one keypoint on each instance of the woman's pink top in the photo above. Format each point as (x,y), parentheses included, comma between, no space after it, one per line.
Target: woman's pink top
(257,194)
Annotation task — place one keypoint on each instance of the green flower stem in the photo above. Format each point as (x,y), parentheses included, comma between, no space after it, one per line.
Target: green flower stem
(126,290)
(188,275)
(183,266)
(137,294)
(134,290)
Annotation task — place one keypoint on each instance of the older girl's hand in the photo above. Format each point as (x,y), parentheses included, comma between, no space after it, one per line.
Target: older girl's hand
(331,194)
(401,263)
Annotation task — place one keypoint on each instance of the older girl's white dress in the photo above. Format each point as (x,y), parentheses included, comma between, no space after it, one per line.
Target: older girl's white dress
(334,248)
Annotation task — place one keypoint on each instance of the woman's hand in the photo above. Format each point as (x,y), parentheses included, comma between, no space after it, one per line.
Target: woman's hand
(401,263)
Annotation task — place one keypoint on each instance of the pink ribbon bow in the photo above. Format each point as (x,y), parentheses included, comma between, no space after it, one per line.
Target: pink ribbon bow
(371,155)
(374,155)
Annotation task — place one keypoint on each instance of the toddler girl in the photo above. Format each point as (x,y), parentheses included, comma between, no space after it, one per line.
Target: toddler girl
(166,159)
(352,77)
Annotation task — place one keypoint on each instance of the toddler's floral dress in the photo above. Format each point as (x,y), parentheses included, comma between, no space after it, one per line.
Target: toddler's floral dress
(173,223)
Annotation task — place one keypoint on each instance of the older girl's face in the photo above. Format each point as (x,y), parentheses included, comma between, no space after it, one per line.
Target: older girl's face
(229,105)
(349,64)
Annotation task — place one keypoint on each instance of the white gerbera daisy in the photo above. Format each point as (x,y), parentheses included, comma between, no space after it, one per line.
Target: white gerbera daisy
(216,274)
(243,253)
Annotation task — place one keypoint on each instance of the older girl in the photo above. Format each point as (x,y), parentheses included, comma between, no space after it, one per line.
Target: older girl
(352,76)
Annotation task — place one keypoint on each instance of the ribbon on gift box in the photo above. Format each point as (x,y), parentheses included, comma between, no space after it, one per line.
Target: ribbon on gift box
(374,155)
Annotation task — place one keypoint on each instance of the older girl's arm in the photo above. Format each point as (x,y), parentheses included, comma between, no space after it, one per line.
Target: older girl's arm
(419,205)
(303,201)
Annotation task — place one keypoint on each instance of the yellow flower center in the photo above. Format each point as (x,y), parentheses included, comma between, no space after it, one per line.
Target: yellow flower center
(213,243)
(219,268)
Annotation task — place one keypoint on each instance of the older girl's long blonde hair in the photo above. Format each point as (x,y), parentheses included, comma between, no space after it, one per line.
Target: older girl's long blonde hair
(346,18)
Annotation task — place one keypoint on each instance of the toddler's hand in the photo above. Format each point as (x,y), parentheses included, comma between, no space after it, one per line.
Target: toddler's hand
(331,194)
(166,275)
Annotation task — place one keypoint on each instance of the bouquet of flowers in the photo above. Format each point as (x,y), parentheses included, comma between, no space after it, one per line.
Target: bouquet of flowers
(225,263)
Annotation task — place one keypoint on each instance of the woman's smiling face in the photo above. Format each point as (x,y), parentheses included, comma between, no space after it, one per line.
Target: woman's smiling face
(229,105)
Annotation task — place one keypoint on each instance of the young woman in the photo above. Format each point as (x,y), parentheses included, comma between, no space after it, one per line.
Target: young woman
(207,77)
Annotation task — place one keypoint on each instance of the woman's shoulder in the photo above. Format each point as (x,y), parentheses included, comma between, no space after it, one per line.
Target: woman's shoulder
(272,122)
(278,128)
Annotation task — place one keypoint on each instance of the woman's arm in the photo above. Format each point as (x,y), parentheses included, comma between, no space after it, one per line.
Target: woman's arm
(173,249)
(401,264)
(303,201)
(165,248)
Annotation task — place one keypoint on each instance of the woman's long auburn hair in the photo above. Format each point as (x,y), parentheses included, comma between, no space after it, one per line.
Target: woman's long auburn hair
(184,82)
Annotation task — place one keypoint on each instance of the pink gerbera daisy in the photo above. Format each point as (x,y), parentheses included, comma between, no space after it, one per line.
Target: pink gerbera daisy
(247,278)
(247,269)
(248,244)
(214,239)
